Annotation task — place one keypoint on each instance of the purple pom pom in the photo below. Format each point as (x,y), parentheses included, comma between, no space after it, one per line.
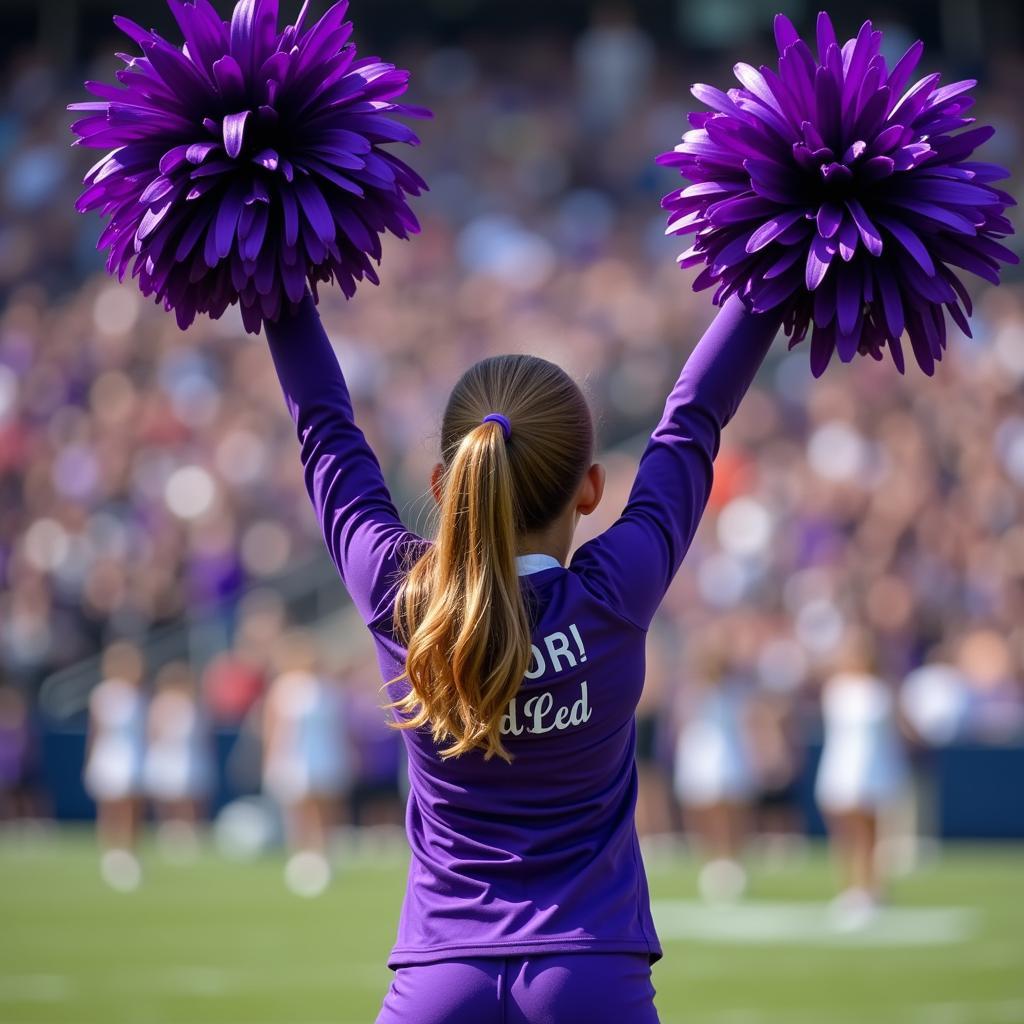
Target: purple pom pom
(248,161)
(830,191)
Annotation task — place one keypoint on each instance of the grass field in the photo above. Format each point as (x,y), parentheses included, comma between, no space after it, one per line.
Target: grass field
(222,943)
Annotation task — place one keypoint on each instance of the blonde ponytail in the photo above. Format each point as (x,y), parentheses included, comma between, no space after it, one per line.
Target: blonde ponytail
(460,611)
(472,643)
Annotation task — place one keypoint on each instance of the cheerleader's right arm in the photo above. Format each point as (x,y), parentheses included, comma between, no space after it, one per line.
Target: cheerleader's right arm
(633,563)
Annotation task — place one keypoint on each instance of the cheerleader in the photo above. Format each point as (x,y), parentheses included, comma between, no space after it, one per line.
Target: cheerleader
(713,776)
(178,770)
(514,671)
(863,770)
(776,749)
(113,764)
(305,761)
(17,757)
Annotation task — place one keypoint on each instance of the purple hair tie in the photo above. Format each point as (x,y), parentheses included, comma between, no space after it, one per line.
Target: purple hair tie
(496,417)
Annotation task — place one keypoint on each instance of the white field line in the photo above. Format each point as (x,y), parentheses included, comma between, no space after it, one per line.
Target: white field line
(35,988)
(805,924)
(194,980)
(1001,1011)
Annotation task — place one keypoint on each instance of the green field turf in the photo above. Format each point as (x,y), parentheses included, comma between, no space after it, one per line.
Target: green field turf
(223,943)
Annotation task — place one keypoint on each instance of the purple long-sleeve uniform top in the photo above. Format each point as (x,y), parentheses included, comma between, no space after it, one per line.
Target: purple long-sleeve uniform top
(539,855)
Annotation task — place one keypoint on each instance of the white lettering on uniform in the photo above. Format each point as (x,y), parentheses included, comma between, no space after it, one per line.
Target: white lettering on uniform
(536,708)
(538,714)
(579,642)
(537,667)
(510,721)
(558,648)
(537,718)
(581,709)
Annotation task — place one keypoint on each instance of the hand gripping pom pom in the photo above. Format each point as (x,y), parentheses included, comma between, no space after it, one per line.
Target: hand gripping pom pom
(834,194)
(248,161)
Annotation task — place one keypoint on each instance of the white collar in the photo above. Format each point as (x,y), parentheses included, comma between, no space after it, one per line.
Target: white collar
(527,565)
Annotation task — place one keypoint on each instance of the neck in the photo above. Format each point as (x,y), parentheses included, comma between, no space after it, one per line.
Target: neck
(555,540)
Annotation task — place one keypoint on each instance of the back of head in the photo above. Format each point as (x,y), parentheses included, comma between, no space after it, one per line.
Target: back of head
(296,652)
(856,654)
(461,612)
(175,677)
(123,661)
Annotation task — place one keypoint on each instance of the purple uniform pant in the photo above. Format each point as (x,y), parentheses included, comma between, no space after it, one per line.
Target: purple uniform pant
(599,988)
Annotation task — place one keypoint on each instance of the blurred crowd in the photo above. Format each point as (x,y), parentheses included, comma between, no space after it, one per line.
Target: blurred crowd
(148,475)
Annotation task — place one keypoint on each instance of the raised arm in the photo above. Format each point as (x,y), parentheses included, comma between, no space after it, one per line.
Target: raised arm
(633,562)
(362,529)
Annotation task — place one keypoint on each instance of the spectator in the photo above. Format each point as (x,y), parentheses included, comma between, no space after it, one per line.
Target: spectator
(714,774)
(18,789)
(114,759)
(178,769)
(306,763)
(863,770)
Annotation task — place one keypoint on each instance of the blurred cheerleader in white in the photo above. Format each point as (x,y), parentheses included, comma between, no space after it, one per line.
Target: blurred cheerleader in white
(306,760)
(714,778)
(863,770)
(113,763)
(178,770)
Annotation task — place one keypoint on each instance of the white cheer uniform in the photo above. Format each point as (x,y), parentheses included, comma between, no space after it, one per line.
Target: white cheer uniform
(309,755)
(118,715)
(863,763)
(712,763)
(179,762)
